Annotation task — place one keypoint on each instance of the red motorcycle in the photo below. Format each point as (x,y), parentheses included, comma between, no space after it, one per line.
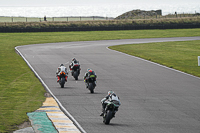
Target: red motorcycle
(75,71)
(62,79)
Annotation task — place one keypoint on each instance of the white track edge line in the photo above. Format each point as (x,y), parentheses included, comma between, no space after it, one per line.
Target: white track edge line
(61,106)
(154,63)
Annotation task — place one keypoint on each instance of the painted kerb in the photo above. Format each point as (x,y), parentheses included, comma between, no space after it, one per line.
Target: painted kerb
(46,87)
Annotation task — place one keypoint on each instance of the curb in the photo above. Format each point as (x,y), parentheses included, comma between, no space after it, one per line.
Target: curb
(49,118)
(48,90)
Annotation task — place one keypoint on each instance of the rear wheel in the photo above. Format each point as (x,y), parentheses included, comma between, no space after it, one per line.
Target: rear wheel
(108,117)
(91,87)
(62,82)
(75,75)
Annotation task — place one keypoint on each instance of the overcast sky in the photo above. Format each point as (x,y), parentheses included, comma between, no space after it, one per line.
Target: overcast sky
(90,2)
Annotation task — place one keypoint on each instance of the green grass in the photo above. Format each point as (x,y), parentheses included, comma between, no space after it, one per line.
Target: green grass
(178,55)
(21,91)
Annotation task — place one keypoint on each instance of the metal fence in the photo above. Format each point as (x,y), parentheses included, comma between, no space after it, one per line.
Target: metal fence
(90,18)
(34,19)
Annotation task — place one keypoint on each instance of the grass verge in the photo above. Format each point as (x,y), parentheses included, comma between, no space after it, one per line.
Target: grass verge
(178,55)
(21,91)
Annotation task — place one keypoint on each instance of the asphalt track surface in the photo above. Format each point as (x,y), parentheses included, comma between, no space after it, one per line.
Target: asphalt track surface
(154,98)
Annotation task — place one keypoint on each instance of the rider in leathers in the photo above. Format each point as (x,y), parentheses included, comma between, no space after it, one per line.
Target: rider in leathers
(87,76)
(111,96)
(73,62)
(60,69)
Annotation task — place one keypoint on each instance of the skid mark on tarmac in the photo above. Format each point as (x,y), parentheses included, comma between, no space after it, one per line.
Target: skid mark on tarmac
(49,118)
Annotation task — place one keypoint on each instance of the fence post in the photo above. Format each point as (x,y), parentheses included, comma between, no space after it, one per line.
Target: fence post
(12,19)
(67,19)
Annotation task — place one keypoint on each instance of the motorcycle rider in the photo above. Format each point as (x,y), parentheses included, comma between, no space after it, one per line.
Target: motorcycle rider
(87,76)
(110,97)
(73,62)
(61,68)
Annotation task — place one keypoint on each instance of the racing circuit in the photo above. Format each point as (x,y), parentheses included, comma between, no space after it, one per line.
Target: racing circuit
(154,98)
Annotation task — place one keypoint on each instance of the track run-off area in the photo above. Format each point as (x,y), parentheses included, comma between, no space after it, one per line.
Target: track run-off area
(154,98)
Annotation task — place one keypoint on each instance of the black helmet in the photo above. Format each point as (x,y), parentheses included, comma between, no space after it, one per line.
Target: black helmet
(73,59)
(61,65)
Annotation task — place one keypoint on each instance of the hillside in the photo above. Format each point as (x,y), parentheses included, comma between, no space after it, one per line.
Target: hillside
(139,13)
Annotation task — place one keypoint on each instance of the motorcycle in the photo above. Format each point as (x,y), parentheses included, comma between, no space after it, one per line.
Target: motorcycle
(91,83)
(110,110)
(62,79)
(76,71)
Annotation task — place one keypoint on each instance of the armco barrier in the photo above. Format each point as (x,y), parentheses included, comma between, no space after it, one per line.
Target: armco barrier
(100,28)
